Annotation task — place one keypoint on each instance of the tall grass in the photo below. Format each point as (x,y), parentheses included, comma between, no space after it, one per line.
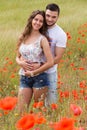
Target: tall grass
(72,69)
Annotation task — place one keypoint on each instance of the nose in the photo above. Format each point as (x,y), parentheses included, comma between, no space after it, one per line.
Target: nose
(50,19)
(38,22)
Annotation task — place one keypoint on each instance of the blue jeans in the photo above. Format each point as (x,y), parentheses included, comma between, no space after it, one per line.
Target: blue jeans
(38,81)
(52,96)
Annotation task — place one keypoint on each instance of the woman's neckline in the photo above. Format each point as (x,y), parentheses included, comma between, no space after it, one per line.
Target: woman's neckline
(33,42)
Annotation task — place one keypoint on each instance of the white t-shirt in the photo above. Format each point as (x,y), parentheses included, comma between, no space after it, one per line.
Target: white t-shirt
(58,38)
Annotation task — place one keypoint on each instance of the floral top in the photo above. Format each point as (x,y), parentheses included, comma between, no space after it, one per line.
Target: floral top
(31,52)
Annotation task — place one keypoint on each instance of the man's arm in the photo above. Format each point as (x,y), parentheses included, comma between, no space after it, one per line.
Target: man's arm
(59,51)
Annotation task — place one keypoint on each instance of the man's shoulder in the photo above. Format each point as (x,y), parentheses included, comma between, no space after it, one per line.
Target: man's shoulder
(61,36)
(56,29)
(59,31)
(59,28)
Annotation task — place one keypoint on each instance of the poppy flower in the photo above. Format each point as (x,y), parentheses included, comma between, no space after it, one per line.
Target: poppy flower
(80,128)
(68,35)
(75,94)
(12,76)
(39,119)
(54,106)
(8,103)
(77,110)
(38,104)
(37,129)
(26,122)
(64,124)
(82,84)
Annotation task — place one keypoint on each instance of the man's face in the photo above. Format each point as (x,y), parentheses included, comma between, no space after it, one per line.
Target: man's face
(51,17)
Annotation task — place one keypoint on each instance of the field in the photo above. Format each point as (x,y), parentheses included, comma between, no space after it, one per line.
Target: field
(72,70)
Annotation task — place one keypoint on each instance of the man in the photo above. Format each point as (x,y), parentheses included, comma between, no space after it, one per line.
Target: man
(57,41)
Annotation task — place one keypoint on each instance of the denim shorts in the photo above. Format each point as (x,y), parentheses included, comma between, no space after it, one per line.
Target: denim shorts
(38,81)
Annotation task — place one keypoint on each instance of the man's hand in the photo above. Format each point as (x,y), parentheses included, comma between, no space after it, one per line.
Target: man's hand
(26,65)
(23,63)
(33,66)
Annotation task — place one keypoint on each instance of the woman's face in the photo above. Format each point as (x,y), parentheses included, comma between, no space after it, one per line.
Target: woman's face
(37,22)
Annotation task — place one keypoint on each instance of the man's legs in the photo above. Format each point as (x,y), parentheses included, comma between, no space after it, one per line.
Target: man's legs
(52,96)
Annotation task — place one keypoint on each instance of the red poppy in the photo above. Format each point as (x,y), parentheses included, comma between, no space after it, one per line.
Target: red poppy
(68,35)
(76,109)
(12,76)
(10,62)
(64,124)
(82,84)
(66,94)
(38,104)
(83,41)
(54,106)
(80,128)
(39,119)
(5,69)
(81,68)
(72,64)
(26,122)
(6,58)
(37,129)
(78,40)
(8,103)
(75,94)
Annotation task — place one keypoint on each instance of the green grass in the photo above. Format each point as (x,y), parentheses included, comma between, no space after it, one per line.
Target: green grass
(13,17)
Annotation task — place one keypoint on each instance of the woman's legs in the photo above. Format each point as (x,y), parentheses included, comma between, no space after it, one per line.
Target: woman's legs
(40,87)
(40,93)
(24,98)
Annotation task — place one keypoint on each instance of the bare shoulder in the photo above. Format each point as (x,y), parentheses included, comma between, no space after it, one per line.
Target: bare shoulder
(44,42)
(44,39)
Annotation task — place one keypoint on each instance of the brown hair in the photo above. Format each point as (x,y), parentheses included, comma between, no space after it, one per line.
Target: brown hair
(28,27)
(53,7)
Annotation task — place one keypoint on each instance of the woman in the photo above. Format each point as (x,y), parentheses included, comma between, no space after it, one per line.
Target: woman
(31,46)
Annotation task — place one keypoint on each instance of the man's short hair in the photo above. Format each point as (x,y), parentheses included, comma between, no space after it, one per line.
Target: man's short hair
(53,7)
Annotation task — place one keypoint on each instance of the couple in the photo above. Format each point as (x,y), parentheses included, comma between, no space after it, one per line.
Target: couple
(40,48)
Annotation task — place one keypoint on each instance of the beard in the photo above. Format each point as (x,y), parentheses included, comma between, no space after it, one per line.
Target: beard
(51,24)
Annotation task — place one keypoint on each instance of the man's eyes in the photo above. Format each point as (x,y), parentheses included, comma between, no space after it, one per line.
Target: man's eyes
(54,17)
(48,15)
(51,16)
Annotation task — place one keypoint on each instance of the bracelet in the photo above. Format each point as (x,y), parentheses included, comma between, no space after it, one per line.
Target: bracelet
(31,74)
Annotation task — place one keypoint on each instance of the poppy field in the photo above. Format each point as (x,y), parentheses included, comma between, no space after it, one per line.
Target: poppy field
(70,113)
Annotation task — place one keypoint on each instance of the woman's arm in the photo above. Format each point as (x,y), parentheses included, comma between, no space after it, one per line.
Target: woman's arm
(49,59)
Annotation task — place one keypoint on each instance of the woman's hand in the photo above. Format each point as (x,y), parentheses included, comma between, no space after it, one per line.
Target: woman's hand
(29,66)
(23,63)
(29,73)
(34,66)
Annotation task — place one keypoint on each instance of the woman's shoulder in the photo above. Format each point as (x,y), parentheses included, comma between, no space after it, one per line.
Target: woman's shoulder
(43,37)
(44,40)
